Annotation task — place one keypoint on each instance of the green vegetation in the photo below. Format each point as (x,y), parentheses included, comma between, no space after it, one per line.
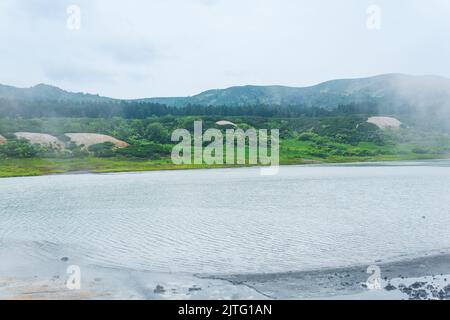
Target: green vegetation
(39,166)
(324,123)
(304,139)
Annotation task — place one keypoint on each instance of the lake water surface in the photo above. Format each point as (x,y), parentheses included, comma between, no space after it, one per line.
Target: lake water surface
(234,220)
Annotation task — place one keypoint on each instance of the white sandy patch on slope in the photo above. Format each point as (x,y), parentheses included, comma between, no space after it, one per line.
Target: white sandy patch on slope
(385,122)
(41,139)
(89,139)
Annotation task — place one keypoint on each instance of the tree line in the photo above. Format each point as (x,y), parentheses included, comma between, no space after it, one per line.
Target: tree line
(143,110)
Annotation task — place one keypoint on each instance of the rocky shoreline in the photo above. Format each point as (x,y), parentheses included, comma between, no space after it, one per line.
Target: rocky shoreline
(415,279)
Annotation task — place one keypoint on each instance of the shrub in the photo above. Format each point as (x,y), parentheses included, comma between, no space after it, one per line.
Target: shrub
(307,136)
(102,150)
(18,149)
(420,150)
(144,150)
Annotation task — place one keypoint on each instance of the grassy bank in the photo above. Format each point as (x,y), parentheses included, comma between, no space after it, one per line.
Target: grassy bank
(303,140)
(293,151)
(38,166)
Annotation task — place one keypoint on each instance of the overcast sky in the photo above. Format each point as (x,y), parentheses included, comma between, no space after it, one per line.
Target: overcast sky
(145,48)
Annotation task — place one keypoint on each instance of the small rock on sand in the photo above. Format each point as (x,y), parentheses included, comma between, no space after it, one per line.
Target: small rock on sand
(390,287)
(420,294)
(195,288)
(417,285)
(159,289)
(445,293)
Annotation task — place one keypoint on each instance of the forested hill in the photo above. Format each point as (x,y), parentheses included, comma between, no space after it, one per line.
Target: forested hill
(423,97)
(395,90)
(44,92)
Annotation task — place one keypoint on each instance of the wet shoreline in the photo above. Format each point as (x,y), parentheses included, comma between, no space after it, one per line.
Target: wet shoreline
(38,275)
(339,282)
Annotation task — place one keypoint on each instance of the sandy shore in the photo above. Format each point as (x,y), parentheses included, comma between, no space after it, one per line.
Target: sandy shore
(39,271)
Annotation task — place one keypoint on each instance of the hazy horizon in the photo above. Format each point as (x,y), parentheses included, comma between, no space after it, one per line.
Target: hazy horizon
(244,85)
(181,48)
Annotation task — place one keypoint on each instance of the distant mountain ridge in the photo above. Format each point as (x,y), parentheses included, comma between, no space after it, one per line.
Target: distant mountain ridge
(42,92)
(395,90)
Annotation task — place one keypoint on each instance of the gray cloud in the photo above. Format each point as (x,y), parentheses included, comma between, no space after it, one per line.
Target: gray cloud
(142,48)
(76,74)
(130,52)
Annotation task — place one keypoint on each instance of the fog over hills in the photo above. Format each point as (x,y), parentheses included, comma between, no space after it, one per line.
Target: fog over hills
(391,91)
